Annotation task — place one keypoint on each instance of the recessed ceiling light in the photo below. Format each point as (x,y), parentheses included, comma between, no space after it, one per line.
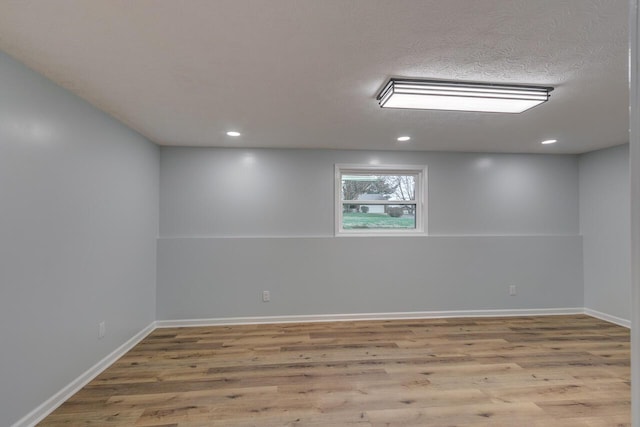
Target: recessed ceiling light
(233,133)
(461,96)
(549,141)
(404,138)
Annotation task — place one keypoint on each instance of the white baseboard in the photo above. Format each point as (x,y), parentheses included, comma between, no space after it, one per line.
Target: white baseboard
(47,407)
(607,317)
(224,321)
(38,414)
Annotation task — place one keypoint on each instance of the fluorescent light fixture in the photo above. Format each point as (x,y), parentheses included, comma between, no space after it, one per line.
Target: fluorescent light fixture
(549,141)
(233,133)
(403,138)
(461,96)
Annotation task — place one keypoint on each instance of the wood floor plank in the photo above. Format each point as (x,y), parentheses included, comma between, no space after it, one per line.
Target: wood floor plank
(547,371)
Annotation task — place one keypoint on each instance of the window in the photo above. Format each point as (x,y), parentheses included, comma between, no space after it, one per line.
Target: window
(379,200)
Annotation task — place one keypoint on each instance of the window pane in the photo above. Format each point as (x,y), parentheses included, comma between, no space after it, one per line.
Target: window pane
(378,217)
(378,187)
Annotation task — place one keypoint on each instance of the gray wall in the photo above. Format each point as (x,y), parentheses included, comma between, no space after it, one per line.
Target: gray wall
(605,227)
(238,193)
(234,222)
(207,278)
(78,228)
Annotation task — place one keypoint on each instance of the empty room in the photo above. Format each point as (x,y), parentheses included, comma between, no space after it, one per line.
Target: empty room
(319,213)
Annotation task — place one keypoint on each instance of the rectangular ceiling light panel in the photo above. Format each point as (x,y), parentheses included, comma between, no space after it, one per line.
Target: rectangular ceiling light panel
(459,96)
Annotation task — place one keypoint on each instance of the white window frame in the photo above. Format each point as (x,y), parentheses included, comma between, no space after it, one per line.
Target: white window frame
(420,198)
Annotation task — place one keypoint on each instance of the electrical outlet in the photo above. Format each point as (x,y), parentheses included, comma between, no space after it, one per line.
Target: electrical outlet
(102,329)
(266,296)
(512,290)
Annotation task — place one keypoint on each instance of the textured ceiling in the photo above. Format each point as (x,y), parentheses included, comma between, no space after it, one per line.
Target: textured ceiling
(305,73)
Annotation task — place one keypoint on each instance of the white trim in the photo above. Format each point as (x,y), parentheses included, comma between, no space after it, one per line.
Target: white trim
(390,168)
(408,233)
(634,168)
(380,202)
(608,317)
(224,321)
(420,201)
(48,406)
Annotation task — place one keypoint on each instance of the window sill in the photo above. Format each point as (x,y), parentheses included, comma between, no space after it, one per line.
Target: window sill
(390,234)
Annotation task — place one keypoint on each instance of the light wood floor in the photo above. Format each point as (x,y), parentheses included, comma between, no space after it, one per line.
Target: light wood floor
(525,371)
